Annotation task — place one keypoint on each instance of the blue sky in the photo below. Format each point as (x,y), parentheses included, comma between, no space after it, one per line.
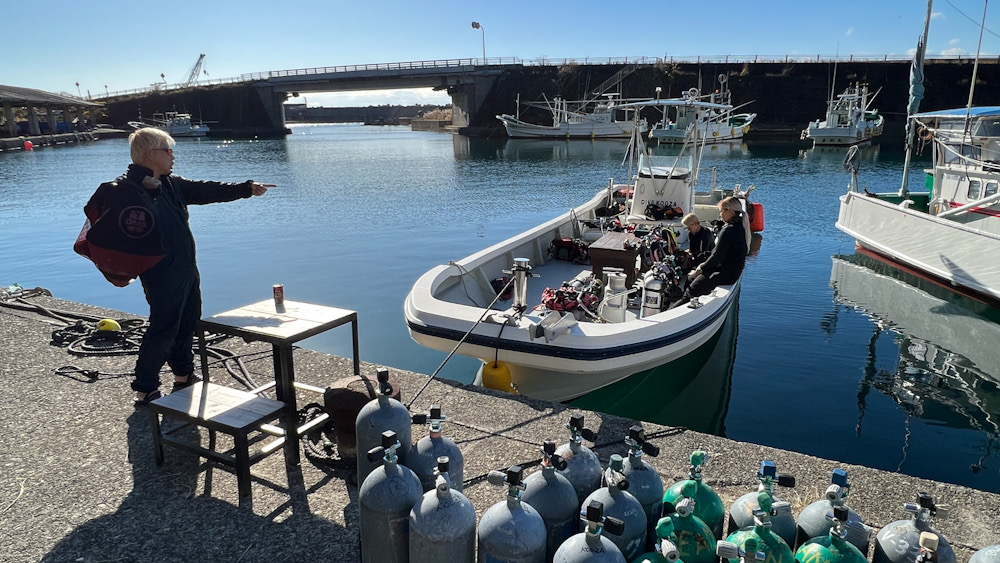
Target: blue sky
(128,44)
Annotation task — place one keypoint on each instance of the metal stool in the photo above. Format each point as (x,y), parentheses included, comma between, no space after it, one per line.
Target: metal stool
(217,408)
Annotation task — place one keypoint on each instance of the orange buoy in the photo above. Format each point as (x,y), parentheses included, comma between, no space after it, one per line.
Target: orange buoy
(28,145)
(756,217)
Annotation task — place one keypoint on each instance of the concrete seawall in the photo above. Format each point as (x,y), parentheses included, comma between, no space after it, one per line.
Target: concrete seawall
(79,482)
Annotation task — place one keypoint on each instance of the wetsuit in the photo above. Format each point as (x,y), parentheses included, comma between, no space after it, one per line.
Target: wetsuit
(700,244)
(724,265)
(172,286)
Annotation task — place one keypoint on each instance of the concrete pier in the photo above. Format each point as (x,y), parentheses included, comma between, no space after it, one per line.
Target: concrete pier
(79,482)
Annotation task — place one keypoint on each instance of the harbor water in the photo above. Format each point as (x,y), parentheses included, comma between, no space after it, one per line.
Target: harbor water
(829,353)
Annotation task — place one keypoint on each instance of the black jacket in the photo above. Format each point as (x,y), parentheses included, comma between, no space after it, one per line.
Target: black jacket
(730,253)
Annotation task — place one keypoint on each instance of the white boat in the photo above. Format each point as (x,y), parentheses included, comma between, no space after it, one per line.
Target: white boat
(849,121)
(714,125)
(951,231)
(570,327)
(175,123)
(574,119)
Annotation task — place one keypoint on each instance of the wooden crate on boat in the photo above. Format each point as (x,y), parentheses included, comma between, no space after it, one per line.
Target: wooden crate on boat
(615,250)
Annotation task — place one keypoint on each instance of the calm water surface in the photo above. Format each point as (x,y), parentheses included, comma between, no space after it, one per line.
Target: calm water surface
(828,354)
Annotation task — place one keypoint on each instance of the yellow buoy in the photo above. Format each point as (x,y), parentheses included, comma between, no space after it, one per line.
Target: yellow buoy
(110,325)
(496,375)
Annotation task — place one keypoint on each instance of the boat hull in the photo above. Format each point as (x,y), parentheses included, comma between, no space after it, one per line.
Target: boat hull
(569,364)
(939,248)
(586,129)
(708,133)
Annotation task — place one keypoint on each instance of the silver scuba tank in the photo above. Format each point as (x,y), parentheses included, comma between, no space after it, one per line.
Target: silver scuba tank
(898,542)
(644,482)
(621,504)
(591,546)
(583,469)
(741,512)
(554,497)
(510,530)
(813,522)
(381,414)
(423,457)
(443,523)
(988,554)
(834,547)
(385,499)
(652,294)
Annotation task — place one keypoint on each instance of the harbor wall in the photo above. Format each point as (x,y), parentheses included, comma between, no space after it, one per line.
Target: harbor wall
(785,96)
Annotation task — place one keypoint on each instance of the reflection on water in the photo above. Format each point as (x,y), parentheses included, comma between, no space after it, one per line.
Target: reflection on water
(692,391)
(948,367)
(867,153)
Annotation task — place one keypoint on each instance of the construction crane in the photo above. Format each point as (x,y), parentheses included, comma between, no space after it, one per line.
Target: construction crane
(193,77)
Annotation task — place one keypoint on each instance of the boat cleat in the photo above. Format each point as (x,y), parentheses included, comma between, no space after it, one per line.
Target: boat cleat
(552,326)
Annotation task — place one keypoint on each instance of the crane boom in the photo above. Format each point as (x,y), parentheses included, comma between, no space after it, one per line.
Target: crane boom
(193,77)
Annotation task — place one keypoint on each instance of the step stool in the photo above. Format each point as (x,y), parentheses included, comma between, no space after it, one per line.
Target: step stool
(217,408)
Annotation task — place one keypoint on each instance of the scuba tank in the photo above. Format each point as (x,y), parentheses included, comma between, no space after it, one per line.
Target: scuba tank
(695,540)
(653,298)
(813,521)
(897,542)
(385,499)
(835,547)
(379,415)
(666,545)
(746,553)
(443,523)
(583,469)
(741,512)
(511,531)
(643,481)
(774,548)
(554,497)
(620,504)
(707,504)
(988,554)
(423,457)
(591,546)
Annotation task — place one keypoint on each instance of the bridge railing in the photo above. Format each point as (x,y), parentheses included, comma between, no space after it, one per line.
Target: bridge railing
(540,61)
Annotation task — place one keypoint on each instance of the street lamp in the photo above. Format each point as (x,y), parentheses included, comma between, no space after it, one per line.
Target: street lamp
(475,25)
(163,77)
(78,90)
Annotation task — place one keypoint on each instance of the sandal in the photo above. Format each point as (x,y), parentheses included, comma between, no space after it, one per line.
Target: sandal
(191,380)
(149,398)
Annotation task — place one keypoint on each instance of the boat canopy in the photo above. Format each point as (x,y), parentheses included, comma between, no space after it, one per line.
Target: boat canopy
(976,112)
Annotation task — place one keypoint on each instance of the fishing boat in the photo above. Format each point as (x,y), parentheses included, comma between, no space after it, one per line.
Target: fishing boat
(591,119)
(582,300)
(849,120)
(949,231)
(175,123)
(714,126)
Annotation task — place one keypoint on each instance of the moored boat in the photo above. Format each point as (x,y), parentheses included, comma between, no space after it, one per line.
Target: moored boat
(175,123)
(849,121)
(950,231)
(714,125)
(567,327)
(574,119)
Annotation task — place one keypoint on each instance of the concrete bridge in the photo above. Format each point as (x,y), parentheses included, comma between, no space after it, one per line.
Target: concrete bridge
(786,92)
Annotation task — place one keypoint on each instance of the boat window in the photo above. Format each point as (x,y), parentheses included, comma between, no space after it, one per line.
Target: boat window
(975,189)
(991,189)
(987,128)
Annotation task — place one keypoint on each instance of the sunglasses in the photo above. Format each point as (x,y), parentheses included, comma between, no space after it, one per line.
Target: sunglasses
(169,151)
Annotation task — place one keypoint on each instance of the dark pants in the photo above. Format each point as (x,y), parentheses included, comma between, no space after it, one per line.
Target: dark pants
(174,310)
(701,285)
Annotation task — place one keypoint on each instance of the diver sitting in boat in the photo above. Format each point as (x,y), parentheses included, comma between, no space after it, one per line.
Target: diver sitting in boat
(700,240)
(725,264)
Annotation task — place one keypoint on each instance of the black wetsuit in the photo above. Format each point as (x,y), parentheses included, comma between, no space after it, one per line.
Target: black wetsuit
(701,244)
(172,286)
(724,265)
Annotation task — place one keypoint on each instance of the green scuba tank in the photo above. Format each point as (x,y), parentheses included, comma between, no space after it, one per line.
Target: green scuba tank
(774,548)
(707,504)
(833,547)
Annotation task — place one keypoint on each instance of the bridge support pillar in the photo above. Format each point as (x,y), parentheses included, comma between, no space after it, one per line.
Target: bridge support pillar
(8,114)
(467,100)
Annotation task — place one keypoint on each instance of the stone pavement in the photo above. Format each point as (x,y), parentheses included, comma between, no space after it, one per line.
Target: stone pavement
(78,481)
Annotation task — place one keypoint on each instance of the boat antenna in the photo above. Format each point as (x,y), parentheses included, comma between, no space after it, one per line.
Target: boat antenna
(916,94)
(975,67)
(833,79)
